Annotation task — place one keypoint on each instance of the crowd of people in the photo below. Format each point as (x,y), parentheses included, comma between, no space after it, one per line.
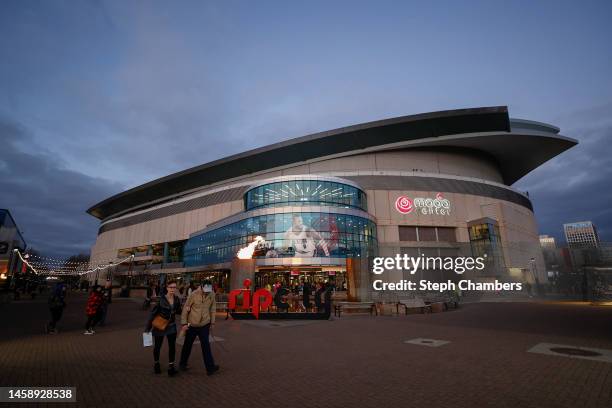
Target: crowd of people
(302,297)
(195,309)
(186,312)
(27,287)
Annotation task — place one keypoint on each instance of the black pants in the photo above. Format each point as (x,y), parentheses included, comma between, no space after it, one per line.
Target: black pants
(327,307)
(157,345)
(103,313)
(56,315)
(306,302)
(92,321)
(201,333)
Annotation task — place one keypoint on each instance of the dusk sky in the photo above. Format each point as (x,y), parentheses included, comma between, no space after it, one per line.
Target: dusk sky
(97,97)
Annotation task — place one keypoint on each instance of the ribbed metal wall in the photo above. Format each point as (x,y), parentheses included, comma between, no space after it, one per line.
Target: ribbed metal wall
(189,205)
(441,185)
(433,184)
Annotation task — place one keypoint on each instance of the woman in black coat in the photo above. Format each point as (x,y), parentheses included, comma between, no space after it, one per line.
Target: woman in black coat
(168,307)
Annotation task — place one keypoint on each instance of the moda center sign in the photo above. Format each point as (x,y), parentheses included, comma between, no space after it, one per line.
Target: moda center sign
(436,206)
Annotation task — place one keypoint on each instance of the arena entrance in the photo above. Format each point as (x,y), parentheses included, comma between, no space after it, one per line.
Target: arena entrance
(293,276)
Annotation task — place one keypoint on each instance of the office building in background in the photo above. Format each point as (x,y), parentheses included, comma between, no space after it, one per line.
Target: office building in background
(581,235)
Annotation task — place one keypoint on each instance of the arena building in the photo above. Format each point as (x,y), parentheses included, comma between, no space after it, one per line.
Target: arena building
(325,204)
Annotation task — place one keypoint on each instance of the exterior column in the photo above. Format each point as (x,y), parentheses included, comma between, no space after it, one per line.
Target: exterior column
(166,252)
(241,269)
(358,276)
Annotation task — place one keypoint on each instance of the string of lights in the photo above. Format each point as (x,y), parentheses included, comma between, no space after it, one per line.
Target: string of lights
(45,268)
(64,261)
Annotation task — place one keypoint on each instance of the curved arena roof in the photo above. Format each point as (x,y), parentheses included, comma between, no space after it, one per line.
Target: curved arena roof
(518,146)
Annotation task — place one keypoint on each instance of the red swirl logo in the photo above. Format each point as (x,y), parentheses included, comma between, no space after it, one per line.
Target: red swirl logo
(403,205)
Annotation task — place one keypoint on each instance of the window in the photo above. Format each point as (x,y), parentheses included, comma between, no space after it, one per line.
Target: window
(407,233)
(446,234)
(300,234)
(485,239)
(305,192)
(427,234)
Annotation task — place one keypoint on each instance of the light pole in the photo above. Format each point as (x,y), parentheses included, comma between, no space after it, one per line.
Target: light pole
(12,264)
(129,285)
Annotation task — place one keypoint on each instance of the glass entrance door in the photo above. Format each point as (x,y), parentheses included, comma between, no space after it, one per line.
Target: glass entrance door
(291,277)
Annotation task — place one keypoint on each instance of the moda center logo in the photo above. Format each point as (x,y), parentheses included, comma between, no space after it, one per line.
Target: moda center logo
(436,206)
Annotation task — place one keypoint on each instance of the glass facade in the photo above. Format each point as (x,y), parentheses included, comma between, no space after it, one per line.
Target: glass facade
(10,237)
(286,235)
(173,254)
(305,192)
(485,240)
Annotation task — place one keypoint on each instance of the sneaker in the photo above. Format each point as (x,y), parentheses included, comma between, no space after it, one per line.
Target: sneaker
(157,368)
(214,370)
(172,371)
(88,332)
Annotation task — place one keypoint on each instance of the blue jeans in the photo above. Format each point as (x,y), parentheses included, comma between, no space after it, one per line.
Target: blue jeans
(201,333)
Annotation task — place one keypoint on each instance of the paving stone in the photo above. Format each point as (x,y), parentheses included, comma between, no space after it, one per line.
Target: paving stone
(357,361)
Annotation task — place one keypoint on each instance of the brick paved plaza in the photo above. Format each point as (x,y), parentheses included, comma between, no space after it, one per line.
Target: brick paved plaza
(357,360)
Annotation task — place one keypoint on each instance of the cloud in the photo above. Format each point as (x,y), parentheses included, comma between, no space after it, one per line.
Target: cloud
(47,200)
(133,91)
(575,186)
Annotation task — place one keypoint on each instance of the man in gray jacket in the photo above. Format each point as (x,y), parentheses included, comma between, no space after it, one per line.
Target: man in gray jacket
(197,319)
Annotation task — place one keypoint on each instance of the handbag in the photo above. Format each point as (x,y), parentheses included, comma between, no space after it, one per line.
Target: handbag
(160,322)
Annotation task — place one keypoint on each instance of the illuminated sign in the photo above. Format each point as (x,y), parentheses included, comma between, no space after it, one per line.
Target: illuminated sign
(404,205)
(434,206)
(254,305)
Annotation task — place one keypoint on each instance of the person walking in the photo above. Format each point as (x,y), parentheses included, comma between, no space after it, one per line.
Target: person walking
(162,323)
(93,309)
(148,296)
(197,319)
(107,295)
(57,304)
